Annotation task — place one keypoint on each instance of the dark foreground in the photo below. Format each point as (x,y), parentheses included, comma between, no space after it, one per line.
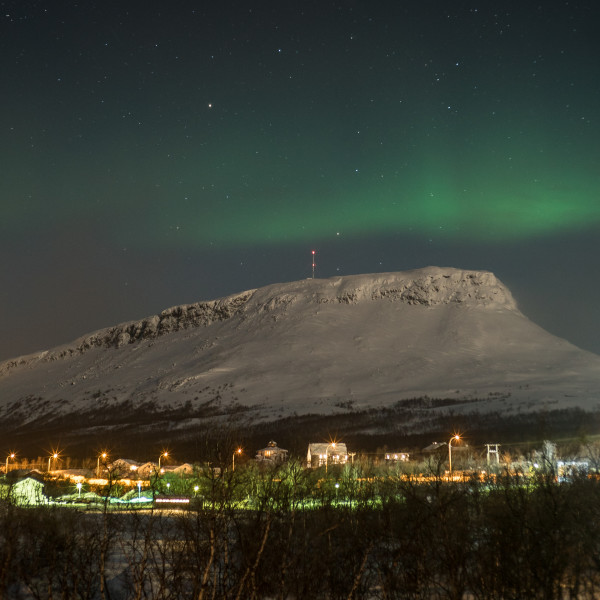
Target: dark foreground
(279,535)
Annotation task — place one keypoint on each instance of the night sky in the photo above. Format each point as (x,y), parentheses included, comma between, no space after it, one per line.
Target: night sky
(161,153)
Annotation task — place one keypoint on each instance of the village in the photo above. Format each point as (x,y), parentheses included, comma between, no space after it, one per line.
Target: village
(160,529)
(126,482)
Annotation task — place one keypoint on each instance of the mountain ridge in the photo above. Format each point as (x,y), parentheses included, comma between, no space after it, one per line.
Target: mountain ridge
(432,285)
(339,346)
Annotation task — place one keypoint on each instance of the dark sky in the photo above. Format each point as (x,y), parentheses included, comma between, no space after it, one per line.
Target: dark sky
(159,153)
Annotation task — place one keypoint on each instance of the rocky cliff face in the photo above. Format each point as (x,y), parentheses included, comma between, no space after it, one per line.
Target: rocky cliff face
(200,314)
(428,287)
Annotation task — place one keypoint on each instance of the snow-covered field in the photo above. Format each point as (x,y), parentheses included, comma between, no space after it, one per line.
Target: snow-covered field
(315,346)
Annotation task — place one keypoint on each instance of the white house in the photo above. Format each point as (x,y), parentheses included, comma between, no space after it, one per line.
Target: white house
(147,469)
(124,467)
(28,491)
(393,457)
(319,454)
(272,453)
(184,469)
(435,447)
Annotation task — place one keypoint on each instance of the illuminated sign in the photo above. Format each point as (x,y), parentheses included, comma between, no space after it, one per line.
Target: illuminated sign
(171,500)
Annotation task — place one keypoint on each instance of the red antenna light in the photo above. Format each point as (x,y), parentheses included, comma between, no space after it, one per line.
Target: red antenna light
(313,263)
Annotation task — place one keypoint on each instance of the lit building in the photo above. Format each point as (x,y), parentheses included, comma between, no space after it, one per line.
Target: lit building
(334,453)
(272,453)
(396,457)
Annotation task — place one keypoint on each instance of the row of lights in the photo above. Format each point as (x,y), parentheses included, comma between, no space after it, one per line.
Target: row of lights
(238,452)
(104,455)
(55,455)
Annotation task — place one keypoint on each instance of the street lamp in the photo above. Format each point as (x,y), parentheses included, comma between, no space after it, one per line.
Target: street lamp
(238,451)
(79,488)
(166,455)
(11,456)
(327,452)
(102,456)
(454,437)
(53,456)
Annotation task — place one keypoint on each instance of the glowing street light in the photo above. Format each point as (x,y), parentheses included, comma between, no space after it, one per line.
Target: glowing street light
(332,445)
(11,456)
(238,451)
(166,455)
(53,457)
(79,484)
(454,437)
(102,456)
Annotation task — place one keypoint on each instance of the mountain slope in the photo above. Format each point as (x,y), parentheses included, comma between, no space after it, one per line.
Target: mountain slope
(312,346)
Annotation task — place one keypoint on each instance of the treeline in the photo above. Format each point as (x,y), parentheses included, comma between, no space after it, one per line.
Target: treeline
(293,534)
(138,436)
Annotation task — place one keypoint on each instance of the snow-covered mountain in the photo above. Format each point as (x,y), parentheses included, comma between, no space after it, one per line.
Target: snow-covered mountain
(332,346)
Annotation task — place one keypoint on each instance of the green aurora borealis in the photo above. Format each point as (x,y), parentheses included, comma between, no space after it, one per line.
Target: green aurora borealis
(478,191)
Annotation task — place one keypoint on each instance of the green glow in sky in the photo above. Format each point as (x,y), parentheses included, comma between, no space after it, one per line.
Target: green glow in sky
(244,200)
(505,198)
(387,132)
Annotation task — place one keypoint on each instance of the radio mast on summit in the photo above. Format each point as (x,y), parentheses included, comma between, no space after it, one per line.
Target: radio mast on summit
(313,263)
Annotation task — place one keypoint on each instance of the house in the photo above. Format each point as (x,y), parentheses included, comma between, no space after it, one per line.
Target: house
(28,491)
(334,453)
(435,447)
(394,457)
(272,453)
(73,474)
(567,470)
(124,467)
(184,469)
(148,469)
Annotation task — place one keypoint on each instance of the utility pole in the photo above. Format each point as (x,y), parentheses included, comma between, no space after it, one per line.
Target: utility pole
(493,449)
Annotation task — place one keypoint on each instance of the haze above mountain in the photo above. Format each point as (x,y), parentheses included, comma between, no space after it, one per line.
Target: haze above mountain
(314,346)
